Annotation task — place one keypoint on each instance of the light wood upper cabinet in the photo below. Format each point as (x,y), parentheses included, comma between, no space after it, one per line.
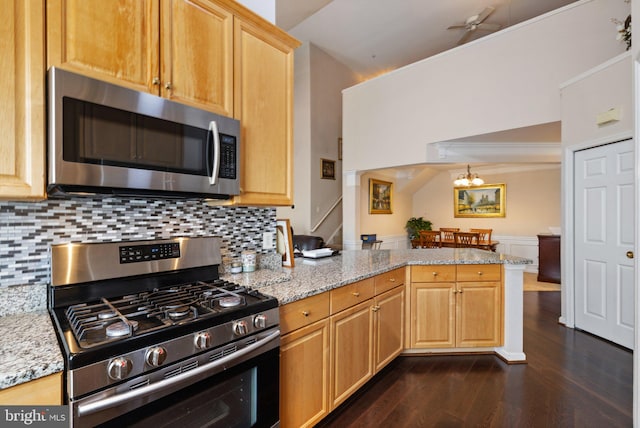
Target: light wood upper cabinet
(118,41)
(22,100)
(197,54)
(263,102)
(179,49)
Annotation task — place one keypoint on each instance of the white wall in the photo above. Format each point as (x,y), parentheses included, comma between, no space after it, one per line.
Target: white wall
(388,227)
(503,81)
(319,81)
(532,202)
(264,8)
(507,80)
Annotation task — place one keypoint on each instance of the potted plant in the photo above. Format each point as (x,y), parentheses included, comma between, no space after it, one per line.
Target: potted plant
(414,226)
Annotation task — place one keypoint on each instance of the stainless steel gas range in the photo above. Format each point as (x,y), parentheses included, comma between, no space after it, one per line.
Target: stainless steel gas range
(153,337)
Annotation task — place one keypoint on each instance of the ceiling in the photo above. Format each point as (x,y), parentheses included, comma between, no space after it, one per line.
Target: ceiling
(372,37)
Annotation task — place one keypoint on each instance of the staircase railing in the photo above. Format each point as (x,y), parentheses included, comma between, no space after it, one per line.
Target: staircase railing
(324,217)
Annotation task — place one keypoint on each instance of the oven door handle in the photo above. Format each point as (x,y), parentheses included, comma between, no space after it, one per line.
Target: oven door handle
(173,383)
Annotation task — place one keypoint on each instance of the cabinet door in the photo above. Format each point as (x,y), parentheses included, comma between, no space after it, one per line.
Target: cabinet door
(351,352)
(479,314)
(263,102)
(197,54)
(45,391)
(304,375)
(116,41)
(22,100)
(389,326)
(433,312)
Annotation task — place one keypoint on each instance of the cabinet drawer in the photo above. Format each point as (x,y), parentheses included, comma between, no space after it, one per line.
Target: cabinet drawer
(303,312)
(433,273)
(388,280)
(479,272)
(352,294)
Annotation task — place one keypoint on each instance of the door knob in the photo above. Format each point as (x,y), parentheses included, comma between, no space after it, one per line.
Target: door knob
(629,254)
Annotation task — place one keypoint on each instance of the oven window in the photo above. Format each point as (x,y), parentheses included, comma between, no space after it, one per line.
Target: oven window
(242,397)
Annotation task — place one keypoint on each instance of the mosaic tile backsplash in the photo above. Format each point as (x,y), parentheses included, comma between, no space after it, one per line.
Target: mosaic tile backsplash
(27,229)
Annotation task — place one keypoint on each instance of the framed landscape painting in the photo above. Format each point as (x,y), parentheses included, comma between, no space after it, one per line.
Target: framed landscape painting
(480,201)
(380,196)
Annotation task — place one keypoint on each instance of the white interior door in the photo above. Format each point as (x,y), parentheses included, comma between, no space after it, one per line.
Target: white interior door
(604,241)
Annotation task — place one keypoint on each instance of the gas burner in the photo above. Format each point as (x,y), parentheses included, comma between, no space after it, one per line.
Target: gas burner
(120,328)
(179,312)
(106,315)
(230,301)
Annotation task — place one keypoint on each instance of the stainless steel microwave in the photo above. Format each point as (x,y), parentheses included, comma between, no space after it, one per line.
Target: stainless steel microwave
(104,138)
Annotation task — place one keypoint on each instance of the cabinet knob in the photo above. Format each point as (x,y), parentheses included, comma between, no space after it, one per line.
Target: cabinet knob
(168,86)
(156,81)
(355,293)
(479,273)
(460,291)
(375,308)
(435,273)
(305,313)
(392,280)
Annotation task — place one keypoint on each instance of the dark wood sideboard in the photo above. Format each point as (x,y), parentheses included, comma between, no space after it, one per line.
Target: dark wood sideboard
(549,258)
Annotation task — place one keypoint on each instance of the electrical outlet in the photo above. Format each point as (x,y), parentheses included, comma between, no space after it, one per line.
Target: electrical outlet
(267,241)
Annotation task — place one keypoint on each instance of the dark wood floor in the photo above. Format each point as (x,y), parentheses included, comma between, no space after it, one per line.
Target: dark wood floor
(572,379)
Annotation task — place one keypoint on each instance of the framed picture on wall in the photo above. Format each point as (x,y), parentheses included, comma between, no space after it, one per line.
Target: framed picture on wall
(327,169)
(380,196)
(284,242)
(480,201)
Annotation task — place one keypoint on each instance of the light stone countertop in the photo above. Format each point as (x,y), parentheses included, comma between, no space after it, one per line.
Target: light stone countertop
(29,348)
(314,276)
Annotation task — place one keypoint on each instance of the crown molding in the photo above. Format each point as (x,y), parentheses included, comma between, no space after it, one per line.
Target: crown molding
(469,151)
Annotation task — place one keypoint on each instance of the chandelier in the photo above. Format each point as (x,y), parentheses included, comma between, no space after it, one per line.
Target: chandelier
(468,179)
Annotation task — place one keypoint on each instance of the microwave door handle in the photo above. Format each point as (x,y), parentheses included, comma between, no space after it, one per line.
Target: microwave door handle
(213,131)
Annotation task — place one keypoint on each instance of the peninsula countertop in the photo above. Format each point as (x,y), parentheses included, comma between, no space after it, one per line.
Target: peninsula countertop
(314,276)
(29,348)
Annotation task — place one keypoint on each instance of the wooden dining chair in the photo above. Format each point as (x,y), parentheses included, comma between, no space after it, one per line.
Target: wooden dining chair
(447,233)
(484,240)
(466,239)
(430,239)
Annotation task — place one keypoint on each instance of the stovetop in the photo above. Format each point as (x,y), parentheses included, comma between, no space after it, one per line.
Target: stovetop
(115,298)
(116,319)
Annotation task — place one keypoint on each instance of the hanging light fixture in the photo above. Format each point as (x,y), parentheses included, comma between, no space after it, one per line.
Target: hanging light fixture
(468,179)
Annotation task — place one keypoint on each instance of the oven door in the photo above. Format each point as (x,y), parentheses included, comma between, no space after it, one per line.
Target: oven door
(237,390)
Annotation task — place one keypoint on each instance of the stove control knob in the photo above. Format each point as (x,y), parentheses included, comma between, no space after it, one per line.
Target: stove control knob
(240,328)
(202,340)
(155,356)
(260,321)
(119,368)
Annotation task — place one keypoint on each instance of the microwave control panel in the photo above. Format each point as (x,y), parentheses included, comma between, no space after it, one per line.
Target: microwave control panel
(228,157)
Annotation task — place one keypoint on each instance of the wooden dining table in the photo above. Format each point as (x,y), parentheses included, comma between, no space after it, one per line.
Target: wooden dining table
(487,245)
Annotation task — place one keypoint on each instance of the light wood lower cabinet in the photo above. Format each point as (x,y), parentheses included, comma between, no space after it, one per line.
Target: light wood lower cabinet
(304,366)
(351,346)
(44,391)
(323,361)
(388,327)
(464,313)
